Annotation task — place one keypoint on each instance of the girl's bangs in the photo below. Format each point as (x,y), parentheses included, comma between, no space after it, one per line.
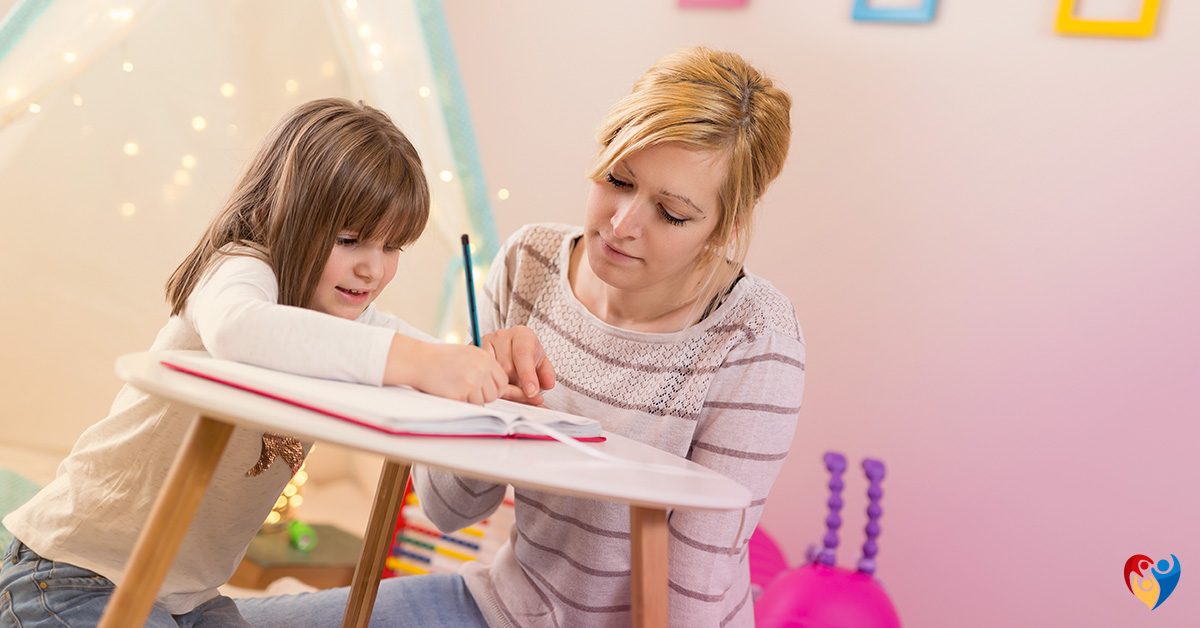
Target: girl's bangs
(393,208)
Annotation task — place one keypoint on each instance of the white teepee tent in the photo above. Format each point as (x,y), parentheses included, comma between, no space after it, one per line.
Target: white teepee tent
(123,124)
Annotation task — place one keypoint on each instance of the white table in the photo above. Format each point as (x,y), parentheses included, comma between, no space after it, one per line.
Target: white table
(548,466)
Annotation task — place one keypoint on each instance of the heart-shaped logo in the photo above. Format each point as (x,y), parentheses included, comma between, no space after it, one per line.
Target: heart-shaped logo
(1152,588)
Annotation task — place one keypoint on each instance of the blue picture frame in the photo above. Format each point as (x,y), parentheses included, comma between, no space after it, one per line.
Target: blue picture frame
(864,12)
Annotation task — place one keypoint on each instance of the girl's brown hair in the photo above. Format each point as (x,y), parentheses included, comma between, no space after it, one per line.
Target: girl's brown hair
(329,166)
(716,101)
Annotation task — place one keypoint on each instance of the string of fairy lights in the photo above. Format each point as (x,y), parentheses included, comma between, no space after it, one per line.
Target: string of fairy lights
(292,498)
(132,147)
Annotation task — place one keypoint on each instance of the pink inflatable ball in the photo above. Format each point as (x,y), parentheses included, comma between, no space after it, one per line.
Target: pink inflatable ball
(819,596)
(766,562)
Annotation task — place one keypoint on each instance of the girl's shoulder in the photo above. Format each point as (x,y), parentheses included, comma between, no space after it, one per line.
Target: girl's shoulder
(236,264)
(239,259)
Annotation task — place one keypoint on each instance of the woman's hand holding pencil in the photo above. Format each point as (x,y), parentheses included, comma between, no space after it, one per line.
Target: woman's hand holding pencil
(520,354)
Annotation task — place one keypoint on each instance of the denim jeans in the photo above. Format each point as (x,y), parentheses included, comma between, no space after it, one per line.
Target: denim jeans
(36,592)
(433,601)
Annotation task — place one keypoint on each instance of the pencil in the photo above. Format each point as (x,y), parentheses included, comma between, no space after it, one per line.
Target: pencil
(466,246)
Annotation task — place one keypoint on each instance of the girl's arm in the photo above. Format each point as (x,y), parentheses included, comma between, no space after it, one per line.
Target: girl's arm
(745,432)
(234,310)
(373,316)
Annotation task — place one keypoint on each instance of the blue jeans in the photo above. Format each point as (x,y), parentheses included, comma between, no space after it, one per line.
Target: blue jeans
(36,592)
(429,601)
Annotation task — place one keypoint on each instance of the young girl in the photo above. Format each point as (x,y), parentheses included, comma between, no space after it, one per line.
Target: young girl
(284,278)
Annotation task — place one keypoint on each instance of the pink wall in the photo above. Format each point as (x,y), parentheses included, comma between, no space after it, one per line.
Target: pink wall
(991,237)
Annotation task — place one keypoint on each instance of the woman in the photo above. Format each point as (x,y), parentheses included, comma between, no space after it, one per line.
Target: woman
(653,328)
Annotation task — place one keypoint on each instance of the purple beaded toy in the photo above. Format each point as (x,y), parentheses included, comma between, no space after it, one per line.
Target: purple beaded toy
(819,594)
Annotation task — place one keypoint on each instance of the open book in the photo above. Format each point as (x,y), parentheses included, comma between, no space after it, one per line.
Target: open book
(390,409)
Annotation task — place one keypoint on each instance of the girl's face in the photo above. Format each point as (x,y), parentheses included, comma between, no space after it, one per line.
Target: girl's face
(354,276)
(651,217)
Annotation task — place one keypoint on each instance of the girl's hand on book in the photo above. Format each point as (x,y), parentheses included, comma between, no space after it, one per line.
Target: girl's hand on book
(520,354)
(453,371)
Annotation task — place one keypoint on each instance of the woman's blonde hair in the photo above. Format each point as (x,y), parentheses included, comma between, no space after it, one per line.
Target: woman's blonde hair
(715,101)
(329,166)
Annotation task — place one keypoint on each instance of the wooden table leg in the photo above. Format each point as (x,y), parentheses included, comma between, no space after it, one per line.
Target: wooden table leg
(389,497)
(648,558)
(173,510)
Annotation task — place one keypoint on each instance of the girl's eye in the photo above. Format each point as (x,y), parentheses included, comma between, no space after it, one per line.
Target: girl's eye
(393,248)
(346,240)
(615,182)
(671,218)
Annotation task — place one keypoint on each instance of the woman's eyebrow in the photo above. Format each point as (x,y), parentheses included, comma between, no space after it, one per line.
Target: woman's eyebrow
(684,199)
(671,194)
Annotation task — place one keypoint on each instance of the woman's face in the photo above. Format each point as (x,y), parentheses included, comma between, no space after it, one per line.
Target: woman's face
(650,218)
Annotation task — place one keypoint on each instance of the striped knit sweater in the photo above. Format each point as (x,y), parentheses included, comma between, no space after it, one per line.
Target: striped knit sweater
(724,393)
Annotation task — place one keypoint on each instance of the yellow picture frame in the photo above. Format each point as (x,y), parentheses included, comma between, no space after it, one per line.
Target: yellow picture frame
(1068,24)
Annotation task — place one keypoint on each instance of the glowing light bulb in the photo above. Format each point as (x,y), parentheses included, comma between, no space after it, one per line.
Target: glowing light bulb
(132,148)
(199,123)
(228,90)
(291,86)
(377,65)
(502,194)
(423,91)
(296,500)
(376,49)
(77,100)
(274,517)
(128,210)
(188,161)
(328,69)
(35,108)
(69,57)
(364,31)
(451,338)
(12,93)
(182,177)
(446,176)
(127,66)
(352,4)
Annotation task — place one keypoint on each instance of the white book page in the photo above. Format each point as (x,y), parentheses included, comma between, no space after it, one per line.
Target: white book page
(567,423)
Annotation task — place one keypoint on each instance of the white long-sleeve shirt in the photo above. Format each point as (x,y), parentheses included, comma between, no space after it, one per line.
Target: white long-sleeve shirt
(91,514)
(724,393)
